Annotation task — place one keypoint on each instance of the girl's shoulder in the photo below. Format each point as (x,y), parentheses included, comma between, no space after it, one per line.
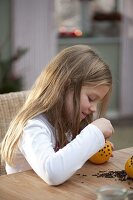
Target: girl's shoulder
(42,119)
(39,121)
(37,130)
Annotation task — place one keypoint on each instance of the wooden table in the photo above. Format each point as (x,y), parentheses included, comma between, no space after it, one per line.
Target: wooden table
(82,186)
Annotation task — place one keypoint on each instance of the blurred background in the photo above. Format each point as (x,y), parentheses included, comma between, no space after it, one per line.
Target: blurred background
(33,32)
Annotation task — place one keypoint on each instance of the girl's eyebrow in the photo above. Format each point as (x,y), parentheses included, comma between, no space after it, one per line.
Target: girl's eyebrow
(95,96)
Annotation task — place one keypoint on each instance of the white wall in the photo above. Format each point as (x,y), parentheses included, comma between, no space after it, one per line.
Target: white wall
(126,98)
(33,27)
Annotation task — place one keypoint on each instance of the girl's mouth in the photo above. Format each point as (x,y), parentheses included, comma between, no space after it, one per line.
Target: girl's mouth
(83,115)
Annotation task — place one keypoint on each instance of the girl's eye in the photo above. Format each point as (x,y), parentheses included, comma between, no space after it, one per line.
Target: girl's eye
(90,99)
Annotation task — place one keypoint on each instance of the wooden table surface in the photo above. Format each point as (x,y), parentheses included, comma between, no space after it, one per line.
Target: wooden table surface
(82,186)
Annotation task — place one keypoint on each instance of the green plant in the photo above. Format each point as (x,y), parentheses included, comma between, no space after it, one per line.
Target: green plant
(9,82)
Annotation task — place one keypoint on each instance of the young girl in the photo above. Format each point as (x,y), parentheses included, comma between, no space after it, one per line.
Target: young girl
(54,133)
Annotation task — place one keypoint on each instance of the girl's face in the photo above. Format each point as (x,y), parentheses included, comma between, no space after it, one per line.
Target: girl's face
(89,98)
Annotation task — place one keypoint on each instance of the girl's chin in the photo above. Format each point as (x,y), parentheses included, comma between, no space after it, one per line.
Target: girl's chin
(82,117)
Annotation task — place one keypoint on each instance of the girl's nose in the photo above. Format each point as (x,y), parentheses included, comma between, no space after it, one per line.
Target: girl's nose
(93,107)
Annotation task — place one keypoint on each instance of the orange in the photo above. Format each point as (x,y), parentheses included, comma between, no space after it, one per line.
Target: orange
(129,167)
(103,154)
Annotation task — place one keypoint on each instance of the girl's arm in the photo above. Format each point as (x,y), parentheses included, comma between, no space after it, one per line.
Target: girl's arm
(37,146)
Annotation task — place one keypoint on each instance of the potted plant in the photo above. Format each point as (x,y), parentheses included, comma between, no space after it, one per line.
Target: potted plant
(8,81)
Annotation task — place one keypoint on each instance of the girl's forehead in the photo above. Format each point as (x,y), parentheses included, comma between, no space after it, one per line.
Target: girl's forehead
(96,89)
(93,86)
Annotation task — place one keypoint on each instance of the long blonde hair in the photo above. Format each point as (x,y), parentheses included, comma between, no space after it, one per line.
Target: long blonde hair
(72,68)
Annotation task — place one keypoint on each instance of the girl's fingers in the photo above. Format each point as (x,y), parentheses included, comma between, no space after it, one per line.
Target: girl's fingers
(112,146)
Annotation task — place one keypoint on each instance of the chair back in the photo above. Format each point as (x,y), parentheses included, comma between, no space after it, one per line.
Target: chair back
(10,103)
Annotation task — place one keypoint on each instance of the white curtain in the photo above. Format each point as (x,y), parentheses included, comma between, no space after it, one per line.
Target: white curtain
(33,27)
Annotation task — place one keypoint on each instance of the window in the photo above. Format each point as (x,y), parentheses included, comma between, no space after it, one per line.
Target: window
(88,18)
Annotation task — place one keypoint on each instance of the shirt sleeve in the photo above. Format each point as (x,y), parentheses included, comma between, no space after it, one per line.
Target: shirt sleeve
(56,167)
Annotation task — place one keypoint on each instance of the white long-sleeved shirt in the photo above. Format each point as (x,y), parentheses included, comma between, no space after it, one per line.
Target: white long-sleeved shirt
(36,151)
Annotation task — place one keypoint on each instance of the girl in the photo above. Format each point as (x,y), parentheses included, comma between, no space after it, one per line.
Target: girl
(54,132)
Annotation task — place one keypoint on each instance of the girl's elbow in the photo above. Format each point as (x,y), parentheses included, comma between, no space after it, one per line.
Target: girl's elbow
(50,177)
(51,180)
(51,174)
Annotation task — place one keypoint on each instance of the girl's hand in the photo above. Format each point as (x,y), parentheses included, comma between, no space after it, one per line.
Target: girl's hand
(112,146)
(105,126)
